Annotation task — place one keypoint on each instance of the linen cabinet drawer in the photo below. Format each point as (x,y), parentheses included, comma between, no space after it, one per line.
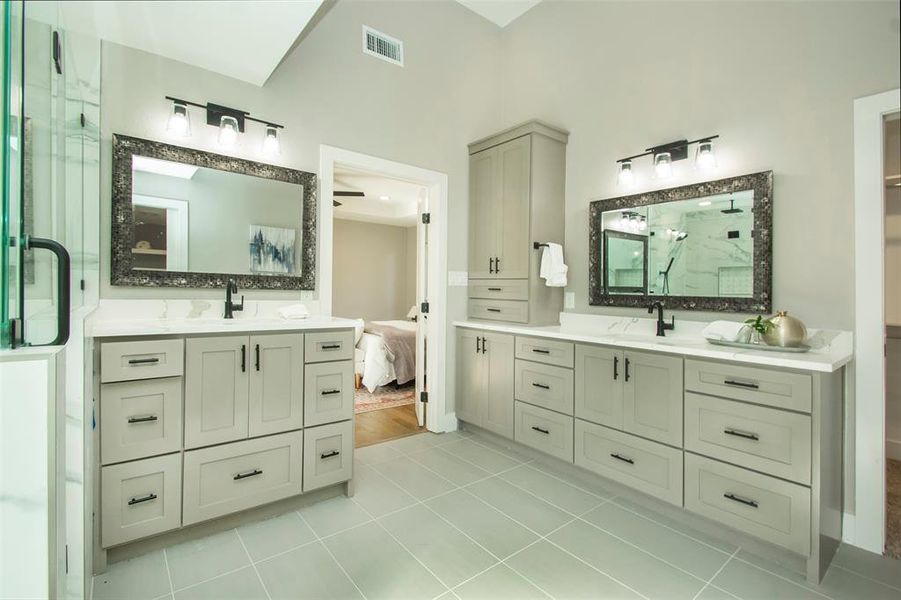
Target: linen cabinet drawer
(328,345)
(544,385)
(499,289)
(232,477)
(760,438)
(140,418)
(514,311)
(327,455)
(550,352)
(126,361)
(544,430)
(638,463)
(771,509)
(328,393)
(752,384)
(140,498)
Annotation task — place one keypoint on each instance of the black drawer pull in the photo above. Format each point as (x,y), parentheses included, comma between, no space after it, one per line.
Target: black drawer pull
(541,351)
(628,372)
(243,358)
(492,289)
(144,419)
(541,385)
(615,368)
(331,346)
(623,458)
(540,430)
(139,500)
(740,500)
(143,361)
(257,357)
(493,309)
(329,454)
(742,434)
(744,384)
(330,392)
(247,474)
(491,265)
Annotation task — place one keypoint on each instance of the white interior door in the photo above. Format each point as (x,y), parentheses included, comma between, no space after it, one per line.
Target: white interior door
(422,286)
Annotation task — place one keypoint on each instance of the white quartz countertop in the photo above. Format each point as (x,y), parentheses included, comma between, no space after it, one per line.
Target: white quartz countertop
(121,327)
(830,350)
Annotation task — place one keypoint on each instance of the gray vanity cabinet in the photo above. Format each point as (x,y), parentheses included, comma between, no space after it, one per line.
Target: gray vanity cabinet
(598,385)
(276,383)
(485,380)
(216,390)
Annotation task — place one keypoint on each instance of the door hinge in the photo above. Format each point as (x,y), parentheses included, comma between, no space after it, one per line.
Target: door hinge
(426,218)
(424,308)
(424,397)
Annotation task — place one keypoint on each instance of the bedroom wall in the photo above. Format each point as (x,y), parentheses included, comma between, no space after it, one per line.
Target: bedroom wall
(370,278)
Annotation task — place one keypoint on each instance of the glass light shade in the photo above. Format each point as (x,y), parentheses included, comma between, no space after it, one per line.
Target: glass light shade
(271,145)
(663,165)
(625,176)
(228,130)
(179,122)
(705,158)
(642,225)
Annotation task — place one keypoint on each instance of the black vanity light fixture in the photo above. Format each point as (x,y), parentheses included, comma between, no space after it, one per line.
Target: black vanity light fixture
(230,122)
(666,154)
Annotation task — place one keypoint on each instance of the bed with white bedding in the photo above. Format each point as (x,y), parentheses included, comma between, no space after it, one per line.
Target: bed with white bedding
(378,359)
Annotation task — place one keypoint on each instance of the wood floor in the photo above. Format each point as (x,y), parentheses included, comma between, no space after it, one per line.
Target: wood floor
(387,424)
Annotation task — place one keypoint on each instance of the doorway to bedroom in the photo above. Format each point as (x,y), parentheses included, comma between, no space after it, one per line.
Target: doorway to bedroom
(379,260)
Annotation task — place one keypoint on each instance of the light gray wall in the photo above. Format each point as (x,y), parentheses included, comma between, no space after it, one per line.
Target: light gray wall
(370,272)
(775,79)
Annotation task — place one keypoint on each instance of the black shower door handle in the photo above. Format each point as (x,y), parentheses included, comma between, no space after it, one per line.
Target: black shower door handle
(62,284)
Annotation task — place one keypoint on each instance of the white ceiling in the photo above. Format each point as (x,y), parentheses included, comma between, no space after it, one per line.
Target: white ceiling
(401,208)
(242,39)
(500,12)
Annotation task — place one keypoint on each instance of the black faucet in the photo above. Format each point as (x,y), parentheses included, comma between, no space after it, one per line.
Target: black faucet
(662,326)
(232,288)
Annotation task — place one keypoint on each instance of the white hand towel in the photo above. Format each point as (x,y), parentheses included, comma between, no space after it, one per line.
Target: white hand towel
(726,331)
(553,269)
(294,311)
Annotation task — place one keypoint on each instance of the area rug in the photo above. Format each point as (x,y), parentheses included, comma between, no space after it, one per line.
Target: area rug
(386,396)
(893,509)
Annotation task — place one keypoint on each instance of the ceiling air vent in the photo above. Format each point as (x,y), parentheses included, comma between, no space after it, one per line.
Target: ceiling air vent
(383,46)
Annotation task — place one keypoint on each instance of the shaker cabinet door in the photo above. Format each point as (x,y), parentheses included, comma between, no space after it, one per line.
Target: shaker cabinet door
(599,377)
(497,408)
(216,382)
(652,397)
(512,218)
(276,383)
(470,388)
(483,195)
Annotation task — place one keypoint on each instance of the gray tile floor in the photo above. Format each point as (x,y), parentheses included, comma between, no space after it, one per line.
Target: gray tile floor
(454,517)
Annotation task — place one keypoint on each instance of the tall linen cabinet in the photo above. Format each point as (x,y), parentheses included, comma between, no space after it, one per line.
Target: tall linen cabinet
(516,199)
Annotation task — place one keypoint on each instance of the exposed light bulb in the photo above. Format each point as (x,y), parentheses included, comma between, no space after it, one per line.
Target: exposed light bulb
(179,122)
(704,203)
(625,177)
(642,225)
(228,130)
(384,198)
(706,156)
(663,165)
(271,146)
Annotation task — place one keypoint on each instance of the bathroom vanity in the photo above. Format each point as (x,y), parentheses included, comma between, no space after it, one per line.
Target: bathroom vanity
(750,440)
(202,418)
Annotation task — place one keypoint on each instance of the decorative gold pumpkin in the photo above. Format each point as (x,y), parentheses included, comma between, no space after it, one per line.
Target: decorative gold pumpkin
(786,331)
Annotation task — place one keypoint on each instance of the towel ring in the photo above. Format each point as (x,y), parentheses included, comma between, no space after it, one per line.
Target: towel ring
(537,245)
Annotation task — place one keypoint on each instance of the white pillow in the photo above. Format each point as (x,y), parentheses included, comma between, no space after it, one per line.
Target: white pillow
(358,330)
(414,312)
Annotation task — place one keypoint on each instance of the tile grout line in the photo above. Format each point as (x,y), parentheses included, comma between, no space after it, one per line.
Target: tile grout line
(253,564)
(782,577)
(168,574)
(859,574)
(209,579)
(332,555)
(714,576)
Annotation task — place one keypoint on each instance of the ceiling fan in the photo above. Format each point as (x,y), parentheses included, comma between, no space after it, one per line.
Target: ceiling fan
(346,195)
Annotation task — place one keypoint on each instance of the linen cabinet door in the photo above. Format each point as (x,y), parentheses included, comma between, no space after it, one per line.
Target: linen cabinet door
(652,396)
(470,376)
(216,382)
(497,409)
(483,193)
(514,174)
(599,385)
(276,383)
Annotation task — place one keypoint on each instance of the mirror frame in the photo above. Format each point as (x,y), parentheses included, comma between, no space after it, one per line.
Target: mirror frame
(122,223)
(609,234)
(761,300)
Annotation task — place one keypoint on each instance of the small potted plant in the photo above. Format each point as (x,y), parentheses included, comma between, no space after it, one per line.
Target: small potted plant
(754,330)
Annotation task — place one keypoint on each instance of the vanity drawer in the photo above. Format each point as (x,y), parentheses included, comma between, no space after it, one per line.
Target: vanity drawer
(140,498)
(544,430)
(546,351)
(232,477)
(328,393)
(752,384)
(329,345)
(126,361)
(514,311)
(140,418)
(544,385)
(327,455)
(760,438)
(774,510)
(638,463)
(499,289)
